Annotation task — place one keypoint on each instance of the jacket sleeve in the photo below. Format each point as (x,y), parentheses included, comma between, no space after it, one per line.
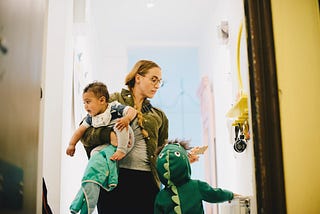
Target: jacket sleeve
(163,130)
(115,97)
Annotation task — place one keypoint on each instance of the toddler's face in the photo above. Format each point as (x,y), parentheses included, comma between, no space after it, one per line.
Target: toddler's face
(92,104)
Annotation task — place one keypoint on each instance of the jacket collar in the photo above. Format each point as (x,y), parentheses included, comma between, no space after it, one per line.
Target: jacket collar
(128,97)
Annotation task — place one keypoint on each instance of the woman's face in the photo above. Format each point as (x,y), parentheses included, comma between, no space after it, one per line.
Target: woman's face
(148,84)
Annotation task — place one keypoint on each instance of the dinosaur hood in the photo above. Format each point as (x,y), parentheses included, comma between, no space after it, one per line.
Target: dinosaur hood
(173,165)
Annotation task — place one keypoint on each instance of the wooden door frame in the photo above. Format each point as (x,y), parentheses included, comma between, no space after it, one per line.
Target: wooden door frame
(270,188)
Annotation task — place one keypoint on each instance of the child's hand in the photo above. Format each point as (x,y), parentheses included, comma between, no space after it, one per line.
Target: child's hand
(118,155)
(122,123)
(71,150)
(195,152)
(235,195)
(193,157)
(199,150)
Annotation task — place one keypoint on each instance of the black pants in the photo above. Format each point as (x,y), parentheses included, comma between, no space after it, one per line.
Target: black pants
(45,206)
(135,194)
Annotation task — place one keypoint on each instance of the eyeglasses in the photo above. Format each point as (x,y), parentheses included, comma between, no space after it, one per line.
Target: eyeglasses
(155,81)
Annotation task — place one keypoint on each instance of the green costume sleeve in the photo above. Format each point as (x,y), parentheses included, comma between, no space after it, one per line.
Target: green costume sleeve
(214,195)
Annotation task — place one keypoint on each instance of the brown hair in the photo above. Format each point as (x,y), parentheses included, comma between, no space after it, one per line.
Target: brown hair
(141,67)
(99,89)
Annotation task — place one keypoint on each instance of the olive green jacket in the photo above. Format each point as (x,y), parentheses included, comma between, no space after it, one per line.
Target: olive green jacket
(155,122)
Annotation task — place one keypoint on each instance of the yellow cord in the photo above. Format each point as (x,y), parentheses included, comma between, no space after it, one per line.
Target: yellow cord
(238,58)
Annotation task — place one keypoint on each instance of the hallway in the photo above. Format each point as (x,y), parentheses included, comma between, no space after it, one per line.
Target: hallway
(45,39)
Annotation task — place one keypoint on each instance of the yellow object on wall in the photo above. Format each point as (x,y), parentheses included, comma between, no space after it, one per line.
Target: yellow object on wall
(239,110)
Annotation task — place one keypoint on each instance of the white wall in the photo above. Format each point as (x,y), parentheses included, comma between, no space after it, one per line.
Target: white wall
(108,52)
(235,171)
(57,83)
(64,39)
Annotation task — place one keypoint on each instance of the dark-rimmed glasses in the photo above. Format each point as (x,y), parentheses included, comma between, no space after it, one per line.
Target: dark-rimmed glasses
(155,80)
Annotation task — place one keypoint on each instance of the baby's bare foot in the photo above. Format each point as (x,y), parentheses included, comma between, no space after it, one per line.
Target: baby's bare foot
(118,155)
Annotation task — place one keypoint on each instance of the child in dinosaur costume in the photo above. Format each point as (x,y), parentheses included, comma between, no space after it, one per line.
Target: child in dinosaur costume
(182,194)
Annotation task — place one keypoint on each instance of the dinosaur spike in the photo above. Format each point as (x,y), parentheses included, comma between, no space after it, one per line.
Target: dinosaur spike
(166,166)
(177,209)
(166,175)
(174,190)
(175,199)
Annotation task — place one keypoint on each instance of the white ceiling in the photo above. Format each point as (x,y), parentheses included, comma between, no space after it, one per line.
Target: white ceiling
(167,21)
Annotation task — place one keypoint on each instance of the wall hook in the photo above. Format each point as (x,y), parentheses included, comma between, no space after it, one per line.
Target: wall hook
(3,48)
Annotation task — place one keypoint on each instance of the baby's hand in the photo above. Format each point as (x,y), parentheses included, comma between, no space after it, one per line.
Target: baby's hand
(118,155)
(71,150)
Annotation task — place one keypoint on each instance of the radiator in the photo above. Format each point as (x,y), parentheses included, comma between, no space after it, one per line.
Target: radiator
(236,206)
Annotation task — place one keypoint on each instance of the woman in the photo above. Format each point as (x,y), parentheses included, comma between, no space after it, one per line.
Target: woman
(138,180)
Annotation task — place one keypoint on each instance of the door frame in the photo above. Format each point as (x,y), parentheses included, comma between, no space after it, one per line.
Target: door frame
(270,187)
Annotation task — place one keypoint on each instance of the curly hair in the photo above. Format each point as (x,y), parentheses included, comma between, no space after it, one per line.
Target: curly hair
(99,89)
